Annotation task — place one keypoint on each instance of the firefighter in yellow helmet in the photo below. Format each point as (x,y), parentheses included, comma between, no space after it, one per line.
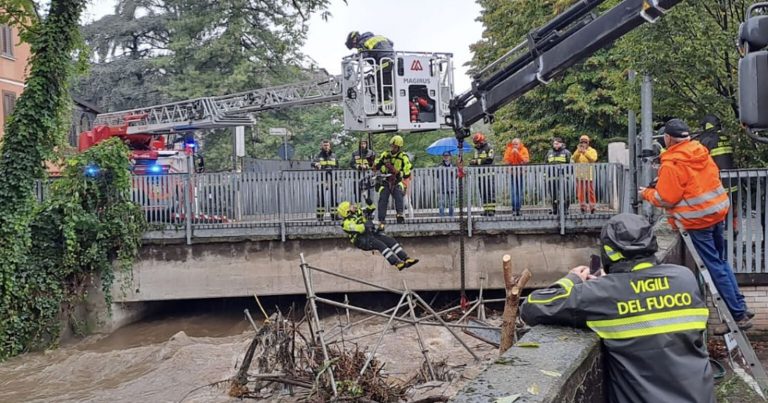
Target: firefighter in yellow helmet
(486,180)
(365,235)
(395,166)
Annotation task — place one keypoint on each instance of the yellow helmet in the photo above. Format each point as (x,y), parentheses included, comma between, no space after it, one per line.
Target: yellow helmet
(343,209)
(397,140)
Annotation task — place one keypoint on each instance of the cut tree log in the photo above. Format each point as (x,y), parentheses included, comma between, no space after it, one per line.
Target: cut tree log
(514,284)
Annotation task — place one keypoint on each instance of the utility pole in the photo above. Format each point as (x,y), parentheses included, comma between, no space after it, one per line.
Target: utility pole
(646,104)
(632,143)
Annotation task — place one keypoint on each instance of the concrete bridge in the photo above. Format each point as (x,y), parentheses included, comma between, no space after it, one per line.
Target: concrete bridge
(259,253)
(255,225)
(271,220)
(269,267)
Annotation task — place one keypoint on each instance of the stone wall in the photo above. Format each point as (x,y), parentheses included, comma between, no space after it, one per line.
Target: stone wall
(241,269)
(564,367)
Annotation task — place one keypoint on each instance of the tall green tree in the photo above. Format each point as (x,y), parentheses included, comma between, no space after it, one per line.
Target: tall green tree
(151,52)
(692,57)
(124,46)
(689,53)
(37,125)
(582,101)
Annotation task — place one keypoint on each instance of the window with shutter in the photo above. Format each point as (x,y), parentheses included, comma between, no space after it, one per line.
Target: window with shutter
(6,41)
(9,102)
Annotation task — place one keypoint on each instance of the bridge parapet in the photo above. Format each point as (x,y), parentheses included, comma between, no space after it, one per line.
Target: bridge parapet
(284,205)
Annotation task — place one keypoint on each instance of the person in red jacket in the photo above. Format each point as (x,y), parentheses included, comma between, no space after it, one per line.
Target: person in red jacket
(517,154)
(689,189)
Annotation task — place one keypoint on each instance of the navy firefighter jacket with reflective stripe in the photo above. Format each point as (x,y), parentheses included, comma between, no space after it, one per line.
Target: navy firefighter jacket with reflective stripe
(651,320)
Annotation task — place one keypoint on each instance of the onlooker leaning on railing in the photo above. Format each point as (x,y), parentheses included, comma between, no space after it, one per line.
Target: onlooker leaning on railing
(558,154)
(325,161)
(583,156)
(362,160)
(517,154)
(484,156)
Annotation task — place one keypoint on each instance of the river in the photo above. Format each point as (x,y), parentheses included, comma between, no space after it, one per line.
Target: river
(172,357)
(156,360)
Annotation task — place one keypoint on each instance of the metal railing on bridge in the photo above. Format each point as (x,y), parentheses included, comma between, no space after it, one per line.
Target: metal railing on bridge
(292,198)
(746,229)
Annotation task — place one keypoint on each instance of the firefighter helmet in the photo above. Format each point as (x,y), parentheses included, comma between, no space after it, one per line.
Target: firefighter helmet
(626,236)
(343,209)
(478,138)
(396,140)
(710,121)
(352,40)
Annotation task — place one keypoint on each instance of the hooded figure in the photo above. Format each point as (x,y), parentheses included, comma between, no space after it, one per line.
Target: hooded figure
(650,317)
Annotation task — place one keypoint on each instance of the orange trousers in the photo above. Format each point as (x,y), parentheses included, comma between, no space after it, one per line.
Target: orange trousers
(585,188)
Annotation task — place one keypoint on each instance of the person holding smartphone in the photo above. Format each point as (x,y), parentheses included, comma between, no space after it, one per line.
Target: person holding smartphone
(650,317)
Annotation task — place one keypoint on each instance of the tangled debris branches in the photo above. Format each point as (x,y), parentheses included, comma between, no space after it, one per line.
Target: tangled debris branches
(443,373)
(372,385)
(280,359)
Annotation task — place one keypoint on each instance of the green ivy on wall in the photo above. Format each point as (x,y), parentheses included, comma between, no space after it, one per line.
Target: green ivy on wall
(87,225)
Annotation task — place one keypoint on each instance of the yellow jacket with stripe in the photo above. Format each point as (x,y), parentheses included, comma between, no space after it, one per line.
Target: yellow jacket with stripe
(356,223)
(400,162)
(651,319)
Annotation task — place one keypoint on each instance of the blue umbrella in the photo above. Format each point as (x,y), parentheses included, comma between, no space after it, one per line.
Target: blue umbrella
(448,144)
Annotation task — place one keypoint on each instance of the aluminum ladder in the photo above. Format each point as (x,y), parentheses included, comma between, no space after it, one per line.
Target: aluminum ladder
(735,340)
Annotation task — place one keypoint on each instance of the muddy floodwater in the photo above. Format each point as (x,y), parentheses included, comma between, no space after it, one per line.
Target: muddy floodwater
(173,358)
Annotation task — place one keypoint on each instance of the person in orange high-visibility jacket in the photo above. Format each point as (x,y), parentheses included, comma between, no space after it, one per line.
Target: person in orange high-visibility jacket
(517,154)
(689,189)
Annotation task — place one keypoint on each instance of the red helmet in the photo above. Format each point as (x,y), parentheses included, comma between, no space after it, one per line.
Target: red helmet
(478,138)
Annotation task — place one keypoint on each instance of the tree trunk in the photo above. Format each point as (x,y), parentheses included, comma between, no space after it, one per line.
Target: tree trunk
(514,284)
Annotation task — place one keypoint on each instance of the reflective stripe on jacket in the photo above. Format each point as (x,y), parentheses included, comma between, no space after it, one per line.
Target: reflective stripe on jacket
(376,47)
(561,156)
(651,321)
(399,161)
(483,154)
(689,187)
(720,148)
(325,160)
(354,224)
(364,160)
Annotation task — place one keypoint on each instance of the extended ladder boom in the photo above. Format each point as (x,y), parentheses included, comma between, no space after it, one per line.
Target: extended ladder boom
(568,39)
(223,111)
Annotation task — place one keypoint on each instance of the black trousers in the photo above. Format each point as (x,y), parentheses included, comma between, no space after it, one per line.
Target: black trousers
(360,183)
(556,185)
(389,247)
(397,193)
(326,197)
(487,185)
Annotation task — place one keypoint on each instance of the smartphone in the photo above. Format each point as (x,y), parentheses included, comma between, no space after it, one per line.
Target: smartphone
(594,265)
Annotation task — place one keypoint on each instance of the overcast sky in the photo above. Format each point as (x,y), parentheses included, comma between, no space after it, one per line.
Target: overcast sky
(415,25)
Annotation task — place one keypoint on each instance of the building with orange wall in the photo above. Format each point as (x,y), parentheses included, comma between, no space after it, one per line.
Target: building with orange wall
(14,55)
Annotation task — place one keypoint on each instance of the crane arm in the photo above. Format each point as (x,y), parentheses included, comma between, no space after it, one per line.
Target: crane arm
(568,39)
